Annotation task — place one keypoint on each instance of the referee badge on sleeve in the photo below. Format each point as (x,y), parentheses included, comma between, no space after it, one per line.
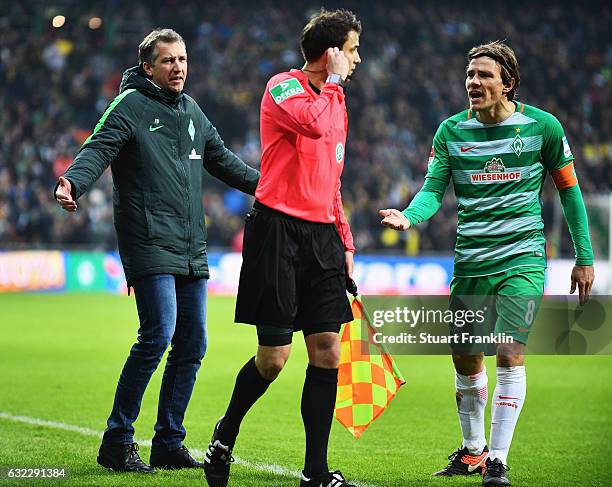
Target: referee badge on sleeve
(286,89)
(339,152)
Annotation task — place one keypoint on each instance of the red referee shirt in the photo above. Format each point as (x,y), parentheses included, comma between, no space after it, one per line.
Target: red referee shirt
(303,137)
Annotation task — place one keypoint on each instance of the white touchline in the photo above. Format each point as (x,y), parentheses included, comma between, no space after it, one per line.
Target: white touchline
(261,467)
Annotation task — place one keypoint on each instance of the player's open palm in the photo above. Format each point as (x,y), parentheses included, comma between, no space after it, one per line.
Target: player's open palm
(394,219)
(63,195)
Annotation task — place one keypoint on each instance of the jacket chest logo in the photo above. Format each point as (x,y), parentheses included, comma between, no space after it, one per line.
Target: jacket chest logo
(191,130)
(155,125)
(193,155)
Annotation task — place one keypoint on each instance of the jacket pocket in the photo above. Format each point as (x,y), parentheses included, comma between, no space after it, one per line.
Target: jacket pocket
(165,227)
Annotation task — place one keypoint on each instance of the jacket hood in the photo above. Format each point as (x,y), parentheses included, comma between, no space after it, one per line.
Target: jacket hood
(136,78)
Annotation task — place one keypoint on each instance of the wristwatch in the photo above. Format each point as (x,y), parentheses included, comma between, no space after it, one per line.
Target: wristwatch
(334,78)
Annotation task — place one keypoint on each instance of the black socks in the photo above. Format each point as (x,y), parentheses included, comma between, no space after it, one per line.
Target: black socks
(318,401)
(250,386)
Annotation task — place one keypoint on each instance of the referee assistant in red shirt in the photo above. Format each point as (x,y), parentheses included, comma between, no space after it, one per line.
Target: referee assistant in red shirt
(298,247)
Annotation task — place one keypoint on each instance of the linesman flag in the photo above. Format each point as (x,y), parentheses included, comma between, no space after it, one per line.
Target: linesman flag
(366,382)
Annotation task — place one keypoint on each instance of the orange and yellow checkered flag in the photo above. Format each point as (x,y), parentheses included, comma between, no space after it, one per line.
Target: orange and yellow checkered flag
(366,381)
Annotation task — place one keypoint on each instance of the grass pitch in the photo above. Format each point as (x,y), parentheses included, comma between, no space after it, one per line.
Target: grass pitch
(61,356)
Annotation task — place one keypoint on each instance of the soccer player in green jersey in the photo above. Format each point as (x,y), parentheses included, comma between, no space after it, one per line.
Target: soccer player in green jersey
(497,154)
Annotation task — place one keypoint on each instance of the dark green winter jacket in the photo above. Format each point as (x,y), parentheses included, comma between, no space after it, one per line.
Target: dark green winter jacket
(156,143)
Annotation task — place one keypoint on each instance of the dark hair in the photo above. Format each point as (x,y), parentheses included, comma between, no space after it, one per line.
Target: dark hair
(327,29)
(506,58)
(147,52)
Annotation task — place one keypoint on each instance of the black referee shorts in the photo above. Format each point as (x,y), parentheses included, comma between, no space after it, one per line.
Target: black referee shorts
(293,273)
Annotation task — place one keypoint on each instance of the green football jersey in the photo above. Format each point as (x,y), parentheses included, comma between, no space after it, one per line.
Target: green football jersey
(498,171)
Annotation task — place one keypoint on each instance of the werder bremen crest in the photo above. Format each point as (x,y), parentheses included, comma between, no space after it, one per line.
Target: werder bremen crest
(191,130)
(517,145)
(495,165)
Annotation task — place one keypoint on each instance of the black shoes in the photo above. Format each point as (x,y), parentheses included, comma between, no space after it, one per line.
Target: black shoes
(329,479)
(174,459)
(218,461)
(122,458)
(495,474)
(463,463)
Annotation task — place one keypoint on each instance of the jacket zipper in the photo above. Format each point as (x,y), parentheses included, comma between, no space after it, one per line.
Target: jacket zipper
(188,192)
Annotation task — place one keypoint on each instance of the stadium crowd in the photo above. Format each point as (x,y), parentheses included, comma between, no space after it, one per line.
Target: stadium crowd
(56,82)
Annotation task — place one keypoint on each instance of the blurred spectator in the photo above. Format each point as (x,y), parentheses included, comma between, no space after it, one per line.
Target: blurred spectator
(56,82)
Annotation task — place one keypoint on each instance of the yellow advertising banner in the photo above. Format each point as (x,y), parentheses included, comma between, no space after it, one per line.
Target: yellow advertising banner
(32,271)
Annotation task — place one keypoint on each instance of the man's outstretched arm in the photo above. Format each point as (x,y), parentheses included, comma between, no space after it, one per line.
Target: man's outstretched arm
(423,206)
(112,131)
(577,220)
(428,200)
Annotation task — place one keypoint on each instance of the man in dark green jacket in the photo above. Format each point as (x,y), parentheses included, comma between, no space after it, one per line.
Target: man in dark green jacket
(156,140)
